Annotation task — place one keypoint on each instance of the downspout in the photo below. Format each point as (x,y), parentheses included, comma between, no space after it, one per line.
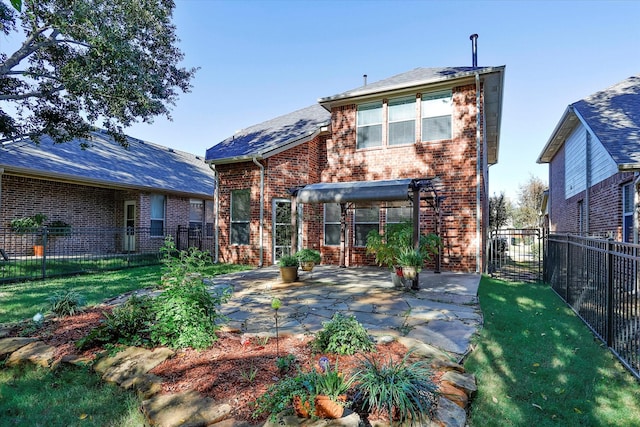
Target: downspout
(216,195)
(261,227)
(474,62)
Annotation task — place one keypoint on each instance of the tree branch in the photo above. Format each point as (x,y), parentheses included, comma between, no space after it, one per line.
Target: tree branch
(27,48)
(40,94)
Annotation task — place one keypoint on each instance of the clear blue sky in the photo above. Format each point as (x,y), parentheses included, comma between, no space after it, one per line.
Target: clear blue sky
(260,59)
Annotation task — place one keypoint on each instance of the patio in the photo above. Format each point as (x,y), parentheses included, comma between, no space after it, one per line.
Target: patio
(443,313)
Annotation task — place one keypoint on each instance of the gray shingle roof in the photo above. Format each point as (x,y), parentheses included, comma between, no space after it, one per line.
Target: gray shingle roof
(261,139)
(142,166)
(613,115)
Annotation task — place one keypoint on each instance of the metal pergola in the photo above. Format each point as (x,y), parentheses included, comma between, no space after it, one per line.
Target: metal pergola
(346,194)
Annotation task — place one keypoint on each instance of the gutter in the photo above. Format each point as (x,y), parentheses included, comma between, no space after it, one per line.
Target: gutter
(261,227)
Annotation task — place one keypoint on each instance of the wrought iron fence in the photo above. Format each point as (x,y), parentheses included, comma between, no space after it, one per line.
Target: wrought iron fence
(515,255)
(48,252)
(599,278)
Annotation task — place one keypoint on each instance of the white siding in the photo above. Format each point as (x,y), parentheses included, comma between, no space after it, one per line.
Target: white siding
(602,165)
(575,162)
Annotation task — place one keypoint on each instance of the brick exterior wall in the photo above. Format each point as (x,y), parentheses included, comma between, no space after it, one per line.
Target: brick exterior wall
(334,158)
(604,203)
(82,207)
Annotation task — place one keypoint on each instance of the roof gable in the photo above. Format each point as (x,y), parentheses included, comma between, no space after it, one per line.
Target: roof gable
(612,116)
(268,137)
(105,162)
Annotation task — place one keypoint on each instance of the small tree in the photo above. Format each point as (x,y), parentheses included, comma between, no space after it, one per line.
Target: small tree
(529,201)
(498,212)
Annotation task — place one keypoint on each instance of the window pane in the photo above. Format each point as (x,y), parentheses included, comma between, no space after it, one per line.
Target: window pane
(402,133)
(628,228)
(157,227)
(627,194)
(396,215)
(332,234)
(435,128)
(361,233)
(240,206)
(332,212)
(240,233)
(196,211)
(402,109)
(369,114)
(438,104)
(368,215)
(369,136)
(157,206)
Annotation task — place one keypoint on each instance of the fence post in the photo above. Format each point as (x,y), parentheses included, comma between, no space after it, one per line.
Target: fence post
(568,270)
(609,298)
(44,233)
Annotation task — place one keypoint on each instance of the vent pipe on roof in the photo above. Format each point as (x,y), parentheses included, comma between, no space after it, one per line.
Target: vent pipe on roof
(364,77)
(474,49)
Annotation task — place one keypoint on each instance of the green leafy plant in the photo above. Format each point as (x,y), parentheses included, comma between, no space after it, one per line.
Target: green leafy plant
(127,324)
(181,265)
(396,239)
(288,261)
(249,375)
(332,382)
(59,228)
(308,255)
(342,335)
(403,391)
(410,257)
(284,363)
(279,396)
(66,303)
(28,224)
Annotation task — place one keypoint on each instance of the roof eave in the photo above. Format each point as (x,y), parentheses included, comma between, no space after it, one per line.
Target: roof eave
(565,125)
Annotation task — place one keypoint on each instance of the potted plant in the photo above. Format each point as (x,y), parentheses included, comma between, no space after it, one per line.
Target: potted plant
(30,224)
(411,261)
(308,258)
(331,391)
(288,268)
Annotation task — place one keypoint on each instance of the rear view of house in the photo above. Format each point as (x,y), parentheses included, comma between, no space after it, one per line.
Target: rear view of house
(350,164)
(594,164)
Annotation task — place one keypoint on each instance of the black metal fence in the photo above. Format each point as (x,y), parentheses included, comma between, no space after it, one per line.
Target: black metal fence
(49,252)
(599,278)
(515,255)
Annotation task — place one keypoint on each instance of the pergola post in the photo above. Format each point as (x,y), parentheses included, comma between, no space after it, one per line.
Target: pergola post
(416,231)
(343,234)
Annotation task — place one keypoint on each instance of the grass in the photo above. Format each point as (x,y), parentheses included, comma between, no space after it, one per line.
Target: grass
(23,300)
(65,397)
(536,363)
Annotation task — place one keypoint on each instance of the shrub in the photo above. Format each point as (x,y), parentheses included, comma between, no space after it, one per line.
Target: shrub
(66,303)
(342,335)
(402,391)
(128,325)
(288,261)
(308,255)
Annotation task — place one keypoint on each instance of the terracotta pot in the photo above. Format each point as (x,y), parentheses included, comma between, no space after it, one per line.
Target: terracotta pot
(301,409)
(327,408)
(38,250)
(289,274)
(307,265)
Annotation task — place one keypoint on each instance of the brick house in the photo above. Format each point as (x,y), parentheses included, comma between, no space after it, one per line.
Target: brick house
(594,160)
(440,124)
(147,188)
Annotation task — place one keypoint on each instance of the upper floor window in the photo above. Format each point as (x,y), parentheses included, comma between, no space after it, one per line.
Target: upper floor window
(240,217)
(436,115)
(402,121)
(332,224)
(369,125)
(627,213)
(158,208)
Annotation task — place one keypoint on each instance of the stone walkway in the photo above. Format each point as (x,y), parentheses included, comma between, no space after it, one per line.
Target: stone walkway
(438,321)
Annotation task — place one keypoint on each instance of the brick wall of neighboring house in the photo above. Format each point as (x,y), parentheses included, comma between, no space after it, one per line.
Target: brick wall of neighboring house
(453,161)
(604,203)
(82,207)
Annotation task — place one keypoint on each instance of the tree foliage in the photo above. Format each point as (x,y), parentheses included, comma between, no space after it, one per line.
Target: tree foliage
(83,63)
(499,212)
(529,202)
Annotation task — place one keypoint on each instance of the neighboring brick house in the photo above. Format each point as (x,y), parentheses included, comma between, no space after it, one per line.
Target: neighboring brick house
(424,123)
(594,160)
(147,187)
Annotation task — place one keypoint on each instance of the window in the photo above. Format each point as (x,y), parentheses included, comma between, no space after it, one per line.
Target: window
(209,218)
(436,116)
(240,217)
(196,216)
(581,229)
(332,224)
(402,121)
(627,213)
(399,214)
(369,125)
(366,219)
(158,203)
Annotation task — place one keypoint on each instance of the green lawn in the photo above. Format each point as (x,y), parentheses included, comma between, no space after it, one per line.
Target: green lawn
(536,363)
